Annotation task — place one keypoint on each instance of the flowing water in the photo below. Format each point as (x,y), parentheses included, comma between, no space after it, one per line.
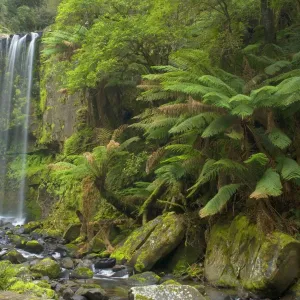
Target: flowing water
(16,77)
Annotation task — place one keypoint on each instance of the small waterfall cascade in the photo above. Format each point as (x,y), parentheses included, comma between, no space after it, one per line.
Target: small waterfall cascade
(16,80)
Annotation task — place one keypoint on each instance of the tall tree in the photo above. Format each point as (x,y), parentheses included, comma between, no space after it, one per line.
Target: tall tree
(267,20)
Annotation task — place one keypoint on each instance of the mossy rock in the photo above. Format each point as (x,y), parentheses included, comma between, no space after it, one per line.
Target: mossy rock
(34,247)
(165,292)
(72,250)
(31,226)
(239,254)
(96,244)
(146,245)
(171,282)
(7,295)
(72,232)
(18,241)
(35,289)
(82,273)
(92,293)
(14,257)
(146,278)
(47,267)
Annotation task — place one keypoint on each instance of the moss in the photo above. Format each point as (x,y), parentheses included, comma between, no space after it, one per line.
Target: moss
(78,142)
(34,246)
(25,287)
(47,267)
(82,273)
(72,249)
(49,232)
(171,282)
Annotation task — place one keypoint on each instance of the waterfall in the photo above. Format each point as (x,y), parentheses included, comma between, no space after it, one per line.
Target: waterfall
(17,61)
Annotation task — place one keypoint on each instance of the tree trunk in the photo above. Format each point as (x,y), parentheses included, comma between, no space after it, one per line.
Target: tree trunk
(267,20)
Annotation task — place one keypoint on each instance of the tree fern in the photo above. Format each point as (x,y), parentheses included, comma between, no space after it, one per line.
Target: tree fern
(216,99)
(216,204)
(268,185)
(243,110)
(277,67)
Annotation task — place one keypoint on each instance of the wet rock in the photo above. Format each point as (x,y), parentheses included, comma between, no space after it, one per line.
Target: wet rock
(146,245)
(34,247)
(14,257)
(82,273)
(105,263)
(67,263)
(146,278)
(167,292)
(72,232)
(47,267)
(92,294)
(239,254)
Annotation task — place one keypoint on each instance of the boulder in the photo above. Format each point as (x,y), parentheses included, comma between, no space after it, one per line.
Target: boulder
(17,240)
(34,247)
(72,232)
(147,245)
(81,273)
(14,257)
(31,226)
(92,293)
(47,267)
(146,278)
(293,293)
(67,263)
(165,292)
(240,255)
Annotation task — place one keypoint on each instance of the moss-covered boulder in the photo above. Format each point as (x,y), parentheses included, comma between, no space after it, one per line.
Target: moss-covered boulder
(82,273)
(34,247)
(72,232)
(14,257)
(165,292)
(92,293)
(31,226)
(72,250)
(17,240)
(239,254)
(147,245)
(47,267)
(146,278)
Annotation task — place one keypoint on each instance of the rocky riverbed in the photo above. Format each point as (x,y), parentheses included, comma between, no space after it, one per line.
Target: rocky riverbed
(45,267)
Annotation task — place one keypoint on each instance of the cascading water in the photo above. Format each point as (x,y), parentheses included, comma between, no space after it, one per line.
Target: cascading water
(16,67)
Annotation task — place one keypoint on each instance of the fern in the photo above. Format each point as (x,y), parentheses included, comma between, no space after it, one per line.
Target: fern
(216,99)
(218,126)
(197,122)
(279,139)
(288,168)
(277,67)
(259,158)
(216,204)
(243,110)
(268,185)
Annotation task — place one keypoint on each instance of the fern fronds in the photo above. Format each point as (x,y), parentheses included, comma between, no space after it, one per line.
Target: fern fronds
(288,168)
(216,204)
(268,185)
(279,139)
(259,158)
(219,125)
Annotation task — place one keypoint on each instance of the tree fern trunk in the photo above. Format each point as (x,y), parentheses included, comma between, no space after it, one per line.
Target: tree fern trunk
(267,20)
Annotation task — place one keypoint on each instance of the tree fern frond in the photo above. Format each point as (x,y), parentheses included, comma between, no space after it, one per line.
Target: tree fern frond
(154,159)
(182,148)
(217,84)
(259,158)
(219,125)
(279,139)
(268,185)
(196,90)
(288,168)
(289,86)
(197,122)
(216,99)
(128,142)
(216,204)
(240,98)
(277,67)
(243,110)
(154,96)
